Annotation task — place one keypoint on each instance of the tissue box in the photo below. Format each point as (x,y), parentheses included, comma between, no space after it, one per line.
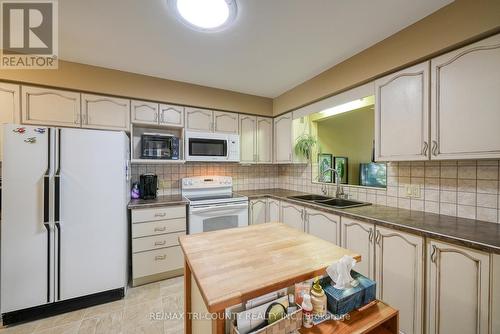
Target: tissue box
(344,301)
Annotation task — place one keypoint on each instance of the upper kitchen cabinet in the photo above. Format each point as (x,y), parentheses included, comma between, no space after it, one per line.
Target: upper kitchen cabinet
(225,122)
(248,128)
(171,115)
(9,107)
(465,102)
(402,115)
(144,112)
(283,139)
(52,107)
(199,120)
(256,139)
(458,289)
(104,112)
(264,140)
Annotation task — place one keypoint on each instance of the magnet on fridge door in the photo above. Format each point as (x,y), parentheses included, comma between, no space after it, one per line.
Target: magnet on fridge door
(19,130)
(40,130)
(30,140)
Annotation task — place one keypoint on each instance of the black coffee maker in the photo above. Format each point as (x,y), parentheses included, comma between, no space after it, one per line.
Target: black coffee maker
(148,185)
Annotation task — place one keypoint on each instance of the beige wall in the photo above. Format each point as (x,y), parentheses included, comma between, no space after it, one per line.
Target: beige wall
(458,23)
(112,82)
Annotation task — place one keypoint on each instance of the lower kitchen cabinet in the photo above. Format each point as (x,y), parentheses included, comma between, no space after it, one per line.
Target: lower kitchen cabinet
(358,236)
(156,254)
(323,225)
(273,210)
(293,215)
(457,289)
(257,211)
(399,273)
(495,293)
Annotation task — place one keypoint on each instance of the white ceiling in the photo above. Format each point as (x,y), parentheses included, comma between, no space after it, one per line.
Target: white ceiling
(273,46)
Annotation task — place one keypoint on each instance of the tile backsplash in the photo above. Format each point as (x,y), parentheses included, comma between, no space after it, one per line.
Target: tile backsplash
(468,188)
(245,177)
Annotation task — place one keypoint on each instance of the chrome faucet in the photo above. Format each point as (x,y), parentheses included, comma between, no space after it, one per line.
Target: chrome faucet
(339,193)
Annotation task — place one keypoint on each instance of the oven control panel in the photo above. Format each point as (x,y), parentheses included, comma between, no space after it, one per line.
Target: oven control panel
(202,182)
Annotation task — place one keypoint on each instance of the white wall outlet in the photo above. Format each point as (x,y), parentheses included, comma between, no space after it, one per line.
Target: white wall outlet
(416,191)
(408,191)
(412,190)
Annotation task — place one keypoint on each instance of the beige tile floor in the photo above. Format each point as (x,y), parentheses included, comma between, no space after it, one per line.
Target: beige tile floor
(129,315)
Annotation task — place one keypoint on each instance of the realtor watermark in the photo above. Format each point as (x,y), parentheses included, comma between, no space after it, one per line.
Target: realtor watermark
(29,34)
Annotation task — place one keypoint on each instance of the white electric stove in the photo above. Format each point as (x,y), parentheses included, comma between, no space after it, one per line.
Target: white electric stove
(213,205)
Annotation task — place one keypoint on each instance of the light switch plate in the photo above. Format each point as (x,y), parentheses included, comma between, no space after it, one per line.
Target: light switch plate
(415,191)
(408,190)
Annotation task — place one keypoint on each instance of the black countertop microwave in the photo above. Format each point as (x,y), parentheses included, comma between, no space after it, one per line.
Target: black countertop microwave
(159,146)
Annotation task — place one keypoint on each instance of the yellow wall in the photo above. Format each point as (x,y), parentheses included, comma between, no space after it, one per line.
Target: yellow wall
(349,135)
(112,82)
(457,24)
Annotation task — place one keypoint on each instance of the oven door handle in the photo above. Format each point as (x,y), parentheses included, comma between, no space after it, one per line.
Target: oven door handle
(219,208)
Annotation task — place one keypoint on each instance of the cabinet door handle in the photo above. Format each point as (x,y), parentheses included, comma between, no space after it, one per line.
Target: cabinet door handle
(160,257)
(160,243)
(370,235)
(434,148)
(378,237)
(433,254)
(160,229)
(424,149)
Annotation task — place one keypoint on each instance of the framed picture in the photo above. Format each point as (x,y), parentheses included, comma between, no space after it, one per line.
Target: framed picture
(325,161)
(341,165)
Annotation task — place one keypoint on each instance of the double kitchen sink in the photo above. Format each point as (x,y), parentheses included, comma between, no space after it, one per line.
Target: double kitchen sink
(337,203)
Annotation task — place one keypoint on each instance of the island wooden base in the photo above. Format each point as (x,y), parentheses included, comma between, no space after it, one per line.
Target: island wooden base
(376,319)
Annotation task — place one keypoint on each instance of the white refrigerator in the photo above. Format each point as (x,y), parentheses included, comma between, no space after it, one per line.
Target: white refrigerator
(64,219)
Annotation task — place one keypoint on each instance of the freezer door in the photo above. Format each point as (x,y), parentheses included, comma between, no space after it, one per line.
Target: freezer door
(26,242)
(92,231)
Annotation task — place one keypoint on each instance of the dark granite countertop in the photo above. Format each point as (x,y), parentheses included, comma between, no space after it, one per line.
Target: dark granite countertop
(166,200)
(466,232)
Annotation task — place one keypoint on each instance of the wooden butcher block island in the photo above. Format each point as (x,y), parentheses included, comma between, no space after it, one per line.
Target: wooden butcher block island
(232,266)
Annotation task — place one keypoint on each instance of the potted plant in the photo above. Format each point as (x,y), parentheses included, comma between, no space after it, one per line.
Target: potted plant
(304,145)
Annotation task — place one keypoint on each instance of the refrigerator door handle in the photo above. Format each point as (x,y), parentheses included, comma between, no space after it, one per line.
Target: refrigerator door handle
(47,226)
(46,185)
(57,181)
(57,212)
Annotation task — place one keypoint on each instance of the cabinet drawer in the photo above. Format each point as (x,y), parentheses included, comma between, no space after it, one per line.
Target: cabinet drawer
(168,212)
(160,227)
(157,261)
(155,242)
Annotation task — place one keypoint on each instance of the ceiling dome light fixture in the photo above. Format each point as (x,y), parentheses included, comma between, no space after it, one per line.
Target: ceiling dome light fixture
(205,15)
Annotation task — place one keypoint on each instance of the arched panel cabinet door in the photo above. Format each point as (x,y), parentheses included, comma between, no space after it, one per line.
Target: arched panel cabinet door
(283,138)
(323,225)
(457,289)
(171,115)
(226,122)
(258,211)
(144,112)
(465,102)
(359,237)
(264,140)
(399,273)
(293,215)
(199,120)
(247,139)
(402,115)
(9,108)
(273,210)
(104,112)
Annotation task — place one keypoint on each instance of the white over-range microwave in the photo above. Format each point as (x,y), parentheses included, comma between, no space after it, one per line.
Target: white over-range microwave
(204,146)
